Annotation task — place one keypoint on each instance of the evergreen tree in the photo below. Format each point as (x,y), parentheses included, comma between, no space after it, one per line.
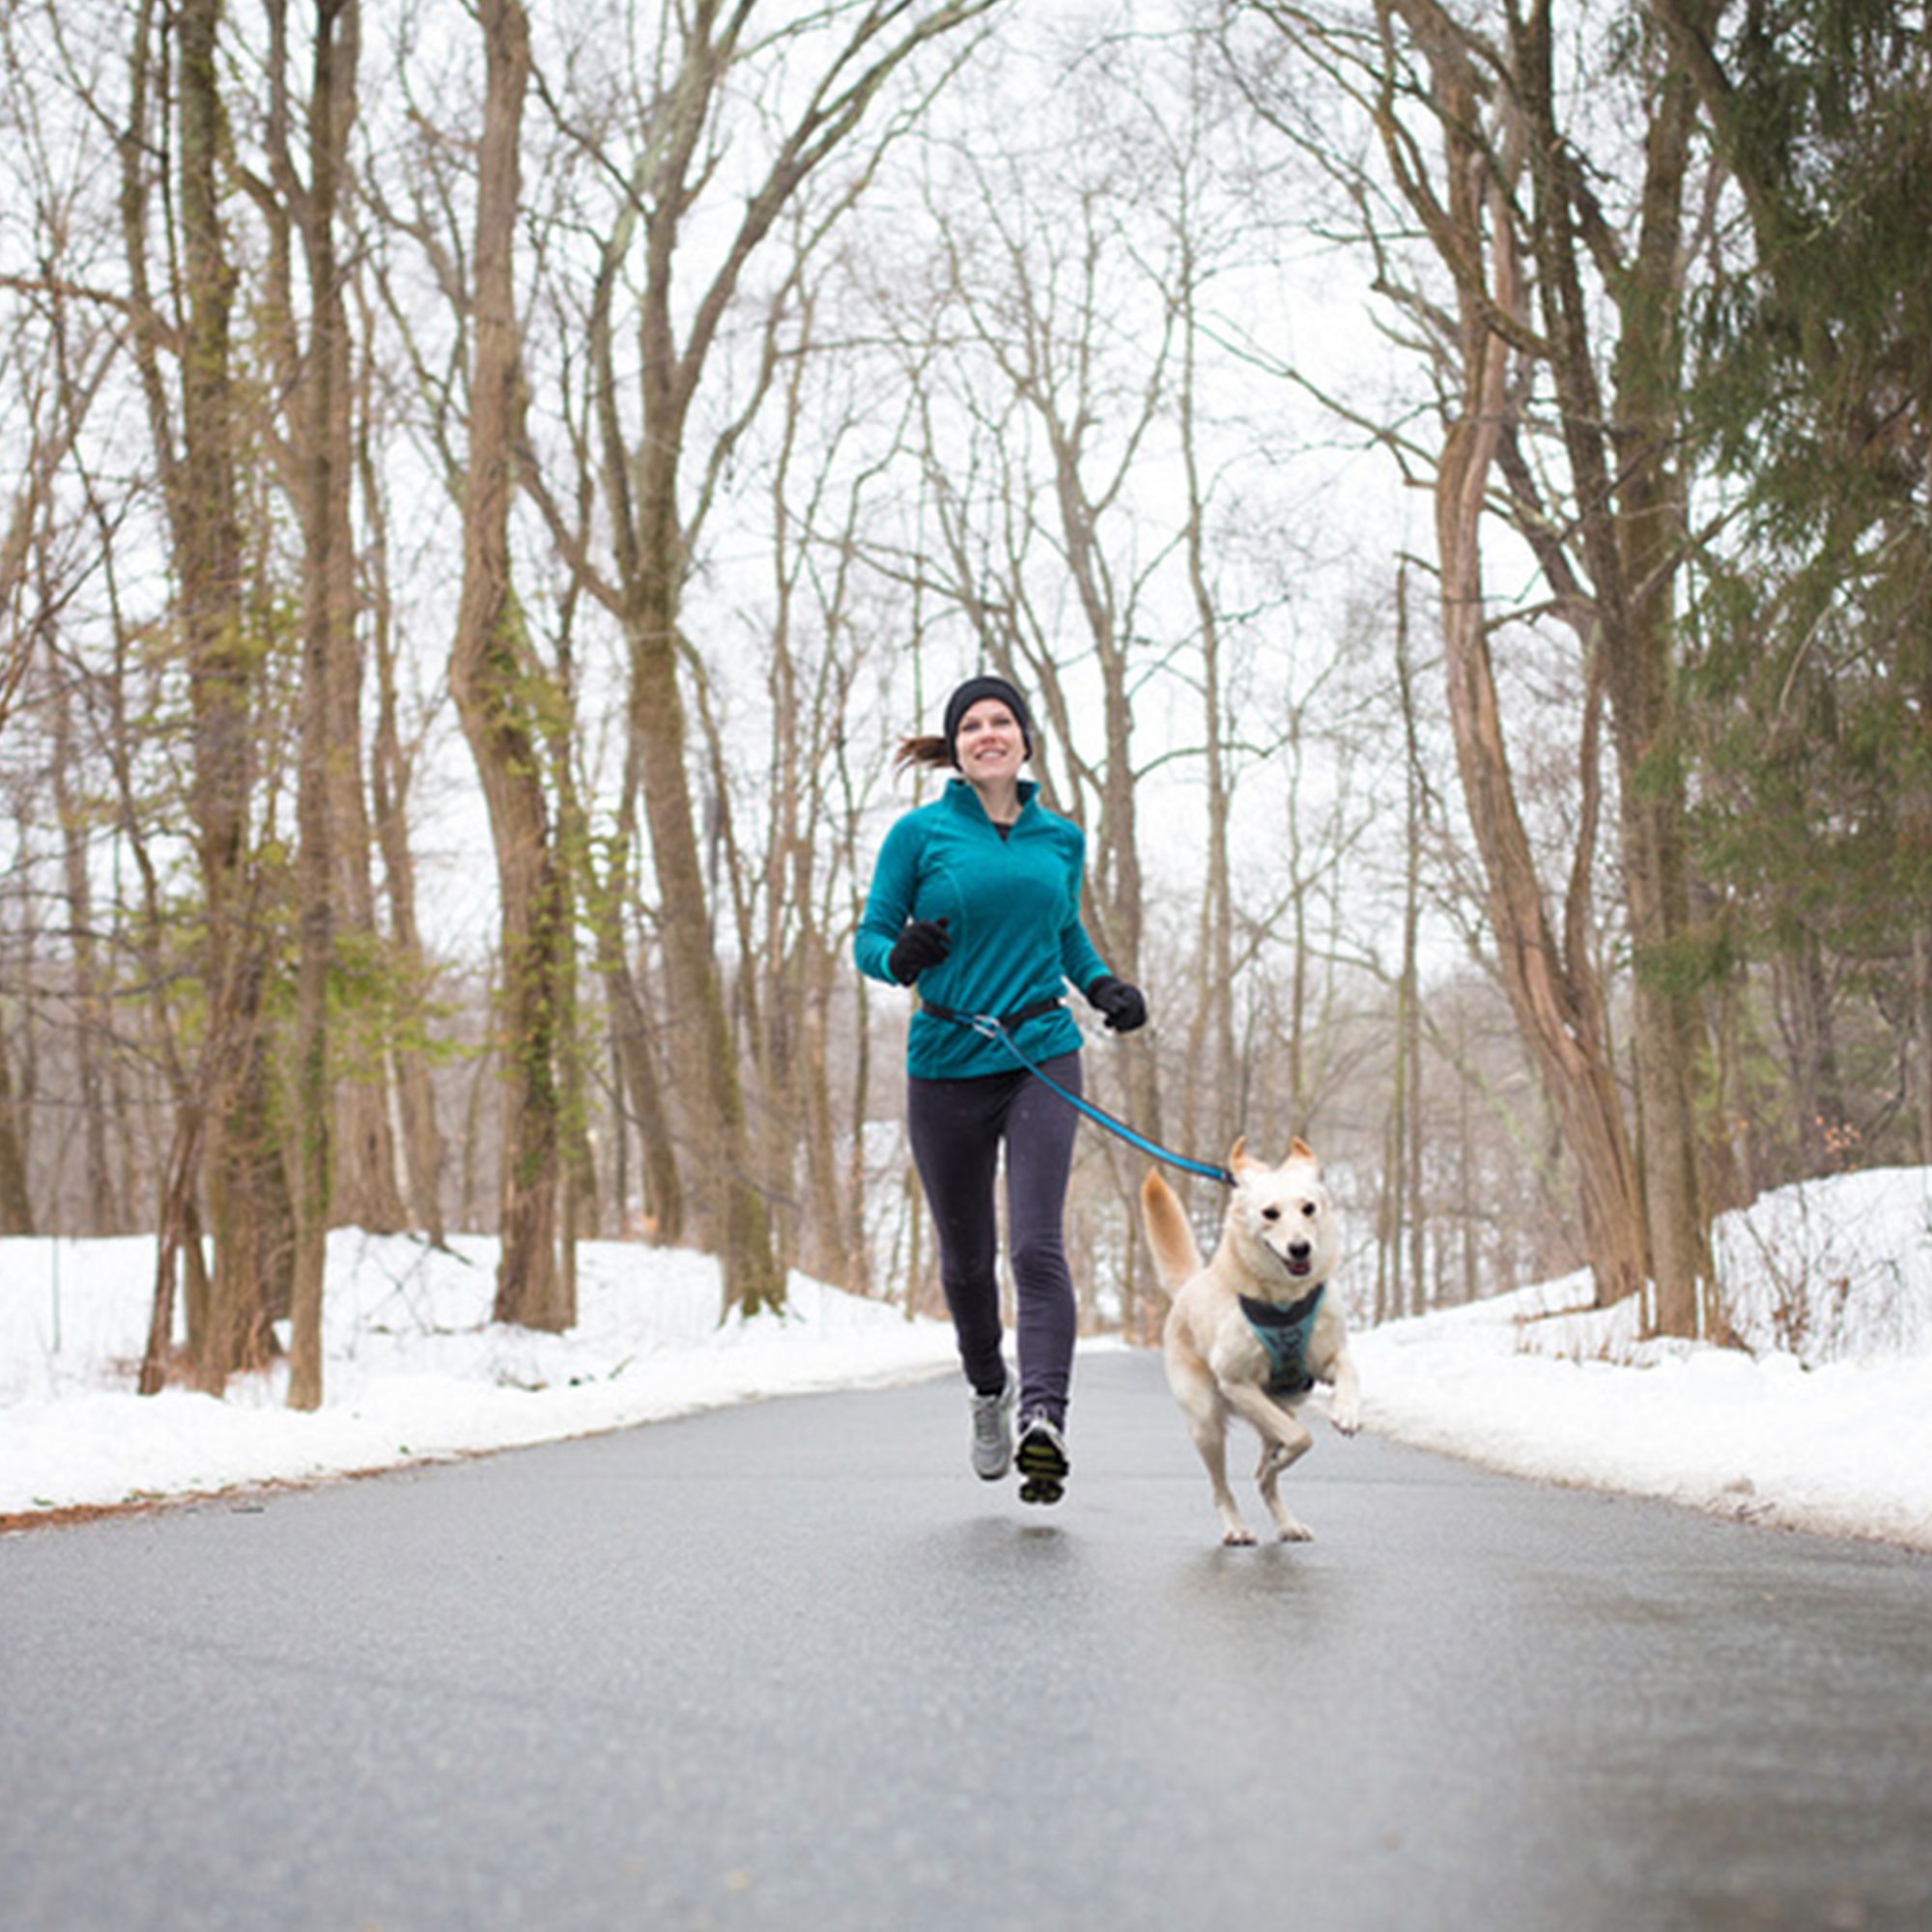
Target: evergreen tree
(1813,393)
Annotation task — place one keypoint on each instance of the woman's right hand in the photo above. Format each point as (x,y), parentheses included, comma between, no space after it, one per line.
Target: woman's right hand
(924,943)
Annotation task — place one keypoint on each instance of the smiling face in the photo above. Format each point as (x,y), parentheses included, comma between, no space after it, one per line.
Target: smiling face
(990,743)
(1286,1210)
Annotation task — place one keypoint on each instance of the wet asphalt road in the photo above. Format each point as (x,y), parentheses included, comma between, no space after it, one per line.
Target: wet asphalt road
(789,1665)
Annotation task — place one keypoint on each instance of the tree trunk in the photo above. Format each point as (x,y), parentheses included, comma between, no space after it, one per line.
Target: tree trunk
(230,1128)
(858,1180)
(365,1168)
(1211,1034)
(701,1053)
(327,741)
(579,1166)
(177,1228)
(639,1087)
(423,1151)
(1632,529)
(493,678)
(1554,995)
(1552,989)
(1920,1047)
(1476,226)
(1804,1000)
(1411,1029)
(1405,1179)
(16,1208)
(92,1011)
(829,1251)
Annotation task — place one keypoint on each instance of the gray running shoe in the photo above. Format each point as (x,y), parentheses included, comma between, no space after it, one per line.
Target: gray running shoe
(1041,1459)
(993,1432)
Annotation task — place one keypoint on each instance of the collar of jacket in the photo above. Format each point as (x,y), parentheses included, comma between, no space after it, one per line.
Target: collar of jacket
(961,796)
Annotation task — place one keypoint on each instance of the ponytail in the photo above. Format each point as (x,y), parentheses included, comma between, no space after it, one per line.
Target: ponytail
(930,750)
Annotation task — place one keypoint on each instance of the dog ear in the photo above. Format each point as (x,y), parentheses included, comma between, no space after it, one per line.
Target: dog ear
(1238,1157)
(1299,1150)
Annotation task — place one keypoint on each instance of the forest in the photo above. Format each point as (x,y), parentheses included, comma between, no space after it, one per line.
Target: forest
(491,482)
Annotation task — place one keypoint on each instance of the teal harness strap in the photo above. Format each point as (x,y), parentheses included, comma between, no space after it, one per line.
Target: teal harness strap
(1285,1333)
(990,1028)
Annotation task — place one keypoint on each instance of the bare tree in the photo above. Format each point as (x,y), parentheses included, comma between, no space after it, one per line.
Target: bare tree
(1402,1199)
(394,757)
(330,732)
(1621,440)
(826,74)
(308,215)
(795,914)
(1534,264)
(62,344)
(223,1127)
(494,680)
(17,1209)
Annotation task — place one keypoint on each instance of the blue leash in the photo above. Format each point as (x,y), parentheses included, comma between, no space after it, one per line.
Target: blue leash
(989,1028)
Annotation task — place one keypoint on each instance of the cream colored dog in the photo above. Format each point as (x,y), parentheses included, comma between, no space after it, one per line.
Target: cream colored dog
(1256,1328)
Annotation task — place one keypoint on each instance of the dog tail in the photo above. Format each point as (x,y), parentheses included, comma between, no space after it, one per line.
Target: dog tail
(1172,1239)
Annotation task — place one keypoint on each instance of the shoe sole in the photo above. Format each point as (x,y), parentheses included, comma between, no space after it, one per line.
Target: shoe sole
(1045,1469)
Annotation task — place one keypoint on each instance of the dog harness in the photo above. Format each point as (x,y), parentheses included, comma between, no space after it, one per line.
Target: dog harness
(1284,1332)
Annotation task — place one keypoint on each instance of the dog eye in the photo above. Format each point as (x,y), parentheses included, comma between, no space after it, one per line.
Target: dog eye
(1308,1208)
(1270,1213)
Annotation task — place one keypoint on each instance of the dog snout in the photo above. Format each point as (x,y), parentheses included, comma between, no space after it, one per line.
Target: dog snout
(1299,1251)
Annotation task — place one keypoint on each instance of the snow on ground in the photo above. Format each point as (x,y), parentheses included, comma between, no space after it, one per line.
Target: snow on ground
(1822,1421)
(413,1369)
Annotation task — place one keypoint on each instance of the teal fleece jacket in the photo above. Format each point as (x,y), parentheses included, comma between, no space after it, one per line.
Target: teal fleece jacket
(1012,912)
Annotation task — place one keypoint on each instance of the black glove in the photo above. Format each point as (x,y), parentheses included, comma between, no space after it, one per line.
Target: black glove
(1122,1004)
(924,943)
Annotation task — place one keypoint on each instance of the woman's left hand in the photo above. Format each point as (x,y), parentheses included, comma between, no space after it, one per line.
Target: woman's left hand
(1123,1006)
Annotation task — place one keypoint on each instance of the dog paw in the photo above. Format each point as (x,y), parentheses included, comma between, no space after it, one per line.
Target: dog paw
(1297,1532)
(1347,1420)
(1239,1536)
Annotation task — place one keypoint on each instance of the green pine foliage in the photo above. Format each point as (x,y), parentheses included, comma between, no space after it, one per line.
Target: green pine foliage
(1812,407)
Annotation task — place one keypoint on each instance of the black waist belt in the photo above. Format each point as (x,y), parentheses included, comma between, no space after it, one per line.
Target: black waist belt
(1013,1019)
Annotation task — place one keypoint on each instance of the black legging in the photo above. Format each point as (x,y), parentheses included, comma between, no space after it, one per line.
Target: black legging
(955,1128)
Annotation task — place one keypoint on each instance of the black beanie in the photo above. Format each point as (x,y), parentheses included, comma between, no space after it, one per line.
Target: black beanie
(970,693)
